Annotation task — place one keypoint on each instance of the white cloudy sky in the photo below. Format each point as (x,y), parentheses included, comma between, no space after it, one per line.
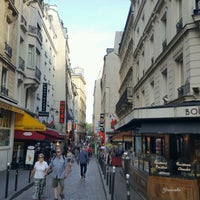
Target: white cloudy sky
(91,28)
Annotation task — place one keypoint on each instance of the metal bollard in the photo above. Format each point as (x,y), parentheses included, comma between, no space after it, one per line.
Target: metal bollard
(107,169)
(110,182)
(113,184)
(7,180)
(128,187)
(16,179)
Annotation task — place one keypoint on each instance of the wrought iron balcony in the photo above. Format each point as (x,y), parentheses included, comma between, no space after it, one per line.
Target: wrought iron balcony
(38,73)
(21,64)
(125,99)
(179,25)
(8,50)
(23,24)
(35,31)
(183,90)
(4,91)
(11,6)
(164,44)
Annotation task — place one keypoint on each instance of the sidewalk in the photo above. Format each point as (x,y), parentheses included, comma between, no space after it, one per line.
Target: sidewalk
(22,183)
(120,187)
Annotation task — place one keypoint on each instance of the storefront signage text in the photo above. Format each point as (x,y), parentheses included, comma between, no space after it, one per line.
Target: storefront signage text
(192,111)
(183,167)
(62,112)
(165,189)
(160,165)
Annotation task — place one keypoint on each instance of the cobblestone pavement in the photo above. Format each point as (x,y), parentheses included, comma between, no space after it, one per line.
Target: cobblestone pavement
(75,189)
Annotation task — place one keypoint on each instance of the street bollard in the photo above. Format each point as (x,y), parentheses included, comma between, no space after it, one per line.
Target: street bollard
(16,179)
(7,180)
(113,183)
(128,187)
(110,182)
(107,169)
(29,176)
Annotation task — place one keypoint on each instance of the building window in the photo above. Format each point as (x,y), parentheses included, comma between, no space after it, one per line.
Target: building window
(30,55)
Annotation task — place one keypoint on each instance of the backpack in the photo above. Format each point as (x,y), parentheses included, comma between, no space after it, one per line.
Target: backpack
(62,157)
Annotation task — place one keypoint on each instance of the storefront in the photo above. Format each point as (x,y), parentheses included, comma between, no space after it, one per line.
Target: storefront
(165,163)
(13,118)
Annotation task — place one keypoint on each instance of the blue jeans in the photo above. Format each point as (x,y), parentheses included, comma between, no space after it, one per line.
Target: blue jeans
(38,189)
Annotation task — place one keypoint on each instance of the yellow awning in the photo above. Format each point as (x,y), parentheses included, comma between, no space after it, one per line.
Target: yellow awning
(25,122)
(7,106)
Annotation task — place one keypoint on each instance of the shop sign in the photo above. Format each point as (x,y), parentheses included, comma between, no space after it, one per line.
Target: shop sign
(30,156)
(27,134)
(44,97)
(160,165)
(166,189)
(192,111)
(62,112)
(184,167)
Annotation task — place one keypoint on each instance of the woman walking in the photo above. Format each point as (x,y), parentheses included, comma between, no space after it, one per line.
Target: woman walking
(39,172)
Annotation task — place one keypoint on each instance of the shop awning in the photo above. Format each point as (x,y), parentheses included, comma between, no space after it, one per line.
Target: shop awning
(52,134)
(10,107)
(28,135)
(25,122)
(125,136)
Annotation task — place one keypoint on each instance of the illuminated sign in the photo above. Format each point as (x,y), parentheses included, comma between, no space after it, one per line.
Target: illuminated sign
(62,111)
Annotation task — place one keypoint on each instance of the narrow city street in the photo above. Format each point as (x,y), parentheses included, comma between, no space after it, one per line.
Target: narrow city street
(97,184)
(75,188)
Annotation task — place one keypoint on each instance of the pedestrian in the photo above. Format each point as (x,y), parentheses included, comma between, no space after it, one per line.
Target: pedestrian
(83,161)
(59,168)
(70,159)
(39,172)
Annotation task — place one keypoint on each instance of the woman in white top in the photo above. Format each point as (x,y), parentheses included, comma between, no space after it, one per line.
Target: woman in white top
(39,171)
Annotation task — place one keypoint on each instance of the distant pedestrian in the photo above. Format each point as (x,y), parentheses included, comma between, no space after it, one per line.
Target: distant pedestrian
(60,171)
(39,172)
(70,159)
(83,160)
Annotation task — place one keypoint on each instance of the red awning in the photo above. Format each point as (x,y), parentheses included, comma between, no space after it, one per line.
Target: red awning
(52,134)
(28,135)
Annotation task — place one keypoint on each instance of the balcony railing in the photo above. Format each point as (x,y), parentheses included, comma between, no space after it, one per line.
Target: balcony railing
(38,73)
(125,99)
(34,30)
(8,50)
(164,44)
(4,91)
(23,24)
(11,6)
(179,25)
(183,90)
(21,64)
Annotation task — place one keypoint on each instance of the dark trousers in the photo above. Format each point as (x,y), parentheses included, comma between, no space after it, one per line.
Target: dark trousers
(83,168)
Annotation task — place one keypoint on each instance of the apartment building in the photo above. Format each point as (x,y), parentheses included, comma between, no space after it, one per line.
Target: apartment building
(79,82)
(110,85)
(96,107)
(162,107)
(35,78)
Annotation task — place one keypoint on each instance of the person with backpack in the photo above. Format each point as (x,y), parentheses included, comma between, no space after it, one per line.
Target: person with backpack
(59,168)
(83,160)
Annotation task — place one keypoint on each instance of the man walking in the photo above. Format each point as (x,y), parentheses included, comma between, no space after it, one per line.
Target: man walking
(59,168)
(83,161)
